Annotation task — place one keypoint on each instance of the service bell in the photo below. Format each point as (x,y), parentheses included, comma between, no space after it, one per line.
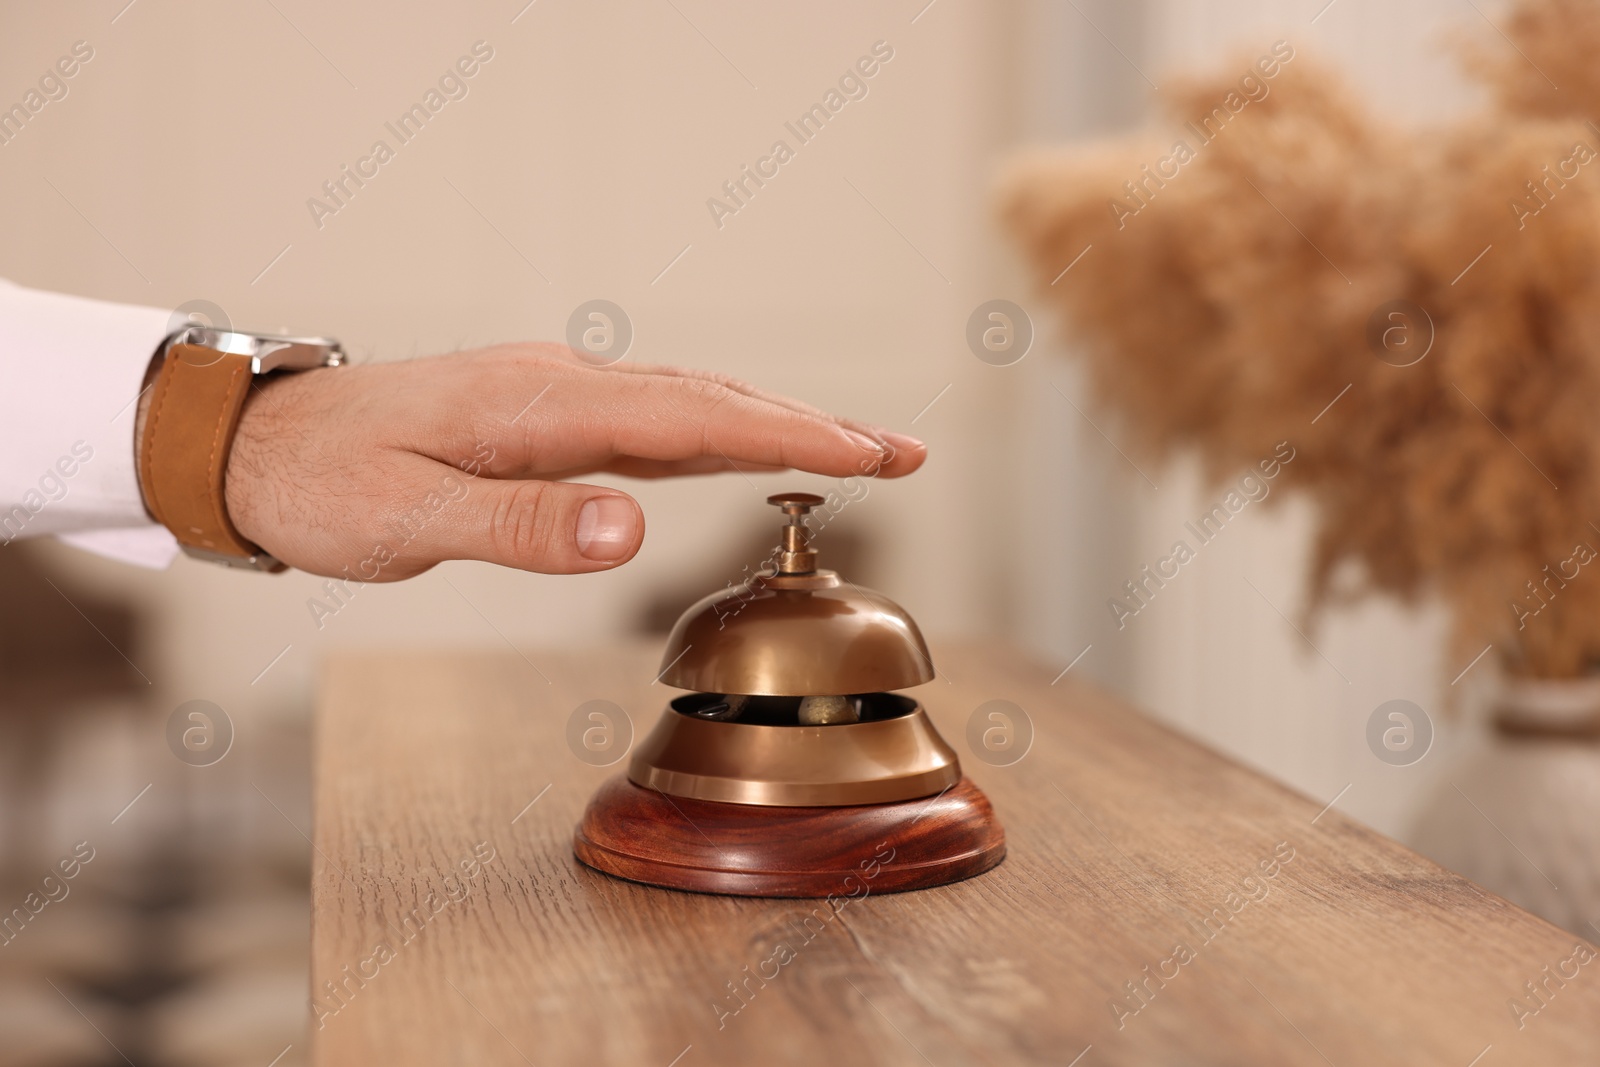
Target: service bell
(793,764)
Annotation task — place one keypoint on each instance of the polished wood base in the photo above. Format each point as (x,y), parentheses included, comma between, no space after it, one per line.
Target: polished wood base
(758,851)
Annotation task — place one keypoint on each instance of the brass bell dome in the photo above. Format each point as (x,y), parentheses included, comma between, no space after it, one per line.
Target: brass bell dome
(797,632)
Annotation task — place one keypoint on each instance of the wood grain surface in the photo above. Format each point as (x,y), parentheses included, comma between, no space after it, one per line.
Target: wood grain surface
(1158,905)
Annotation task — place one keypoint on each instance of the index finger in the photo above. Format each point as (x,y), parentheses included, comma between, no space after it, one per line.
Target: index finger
(589,416)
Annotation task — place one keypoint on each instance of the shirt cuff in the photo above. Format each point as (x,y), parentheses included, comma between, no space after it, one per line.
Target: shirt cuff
(72,370)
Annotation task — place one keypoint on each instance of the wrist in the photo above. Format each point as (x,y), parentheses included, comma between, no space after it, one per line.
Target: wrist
(266,442)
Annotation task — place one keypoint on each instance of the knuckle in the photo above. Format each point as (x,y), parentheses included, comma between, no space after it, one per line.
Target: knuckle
(552,358)
(727,381)
(519,362)
(523,523)
(539,363)
(708,394)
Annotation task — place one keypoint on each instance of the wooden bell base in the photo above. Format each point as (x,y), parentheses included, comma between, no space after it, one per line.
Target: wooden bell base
(754,851)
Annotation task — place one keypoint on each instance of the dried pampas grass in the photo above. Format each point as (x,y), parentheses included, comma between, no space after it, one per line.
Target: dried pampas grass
(1226,306)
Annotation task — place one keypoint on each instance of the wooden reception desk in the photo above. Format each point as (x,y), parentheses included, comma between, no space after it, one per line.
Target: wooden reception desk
(1159,905)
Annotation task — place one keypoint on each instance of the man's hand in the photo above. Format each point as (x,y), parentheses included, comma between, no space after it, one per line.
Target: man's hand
(379,472)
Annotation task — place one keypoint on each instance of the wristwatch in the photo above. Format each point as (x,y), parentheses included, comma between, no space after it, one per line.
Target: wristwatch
(198,383)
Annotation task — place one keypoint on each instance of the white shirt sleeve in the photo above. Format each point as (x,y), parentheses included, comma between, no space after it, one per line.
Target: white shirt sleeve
(71,370)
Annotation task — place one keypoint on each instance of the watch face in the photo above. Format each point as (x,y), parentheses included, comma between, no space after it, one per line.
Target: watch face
(267,352)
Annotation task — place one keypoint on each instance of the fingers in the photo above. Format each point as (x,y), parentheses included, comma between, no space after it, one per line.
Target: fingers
(546,411)
(549,527)
(589,418)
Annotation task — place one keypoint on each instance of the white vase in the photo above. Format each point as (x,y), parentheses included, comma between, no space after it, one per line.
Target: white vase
(1519,813)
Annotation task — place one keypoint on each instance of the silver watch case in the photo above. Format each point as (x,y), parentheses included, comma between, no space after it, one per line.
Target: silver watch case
(268,353)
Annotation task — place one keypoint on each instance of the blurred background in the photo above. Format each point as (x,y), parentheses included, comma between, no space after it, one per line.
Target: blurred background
(578,166)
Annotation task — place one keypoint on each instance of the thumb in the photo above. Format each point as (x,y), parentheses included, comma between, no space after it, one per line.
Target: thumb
(549,527)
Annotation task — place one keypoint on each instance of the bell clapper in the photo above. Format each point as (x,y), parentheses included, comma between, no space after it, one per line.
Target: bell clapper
(828,711)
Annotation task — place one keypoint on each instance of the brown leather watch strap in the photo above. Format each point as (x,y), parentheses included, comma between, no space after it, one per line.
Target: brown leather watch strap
(194,410)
